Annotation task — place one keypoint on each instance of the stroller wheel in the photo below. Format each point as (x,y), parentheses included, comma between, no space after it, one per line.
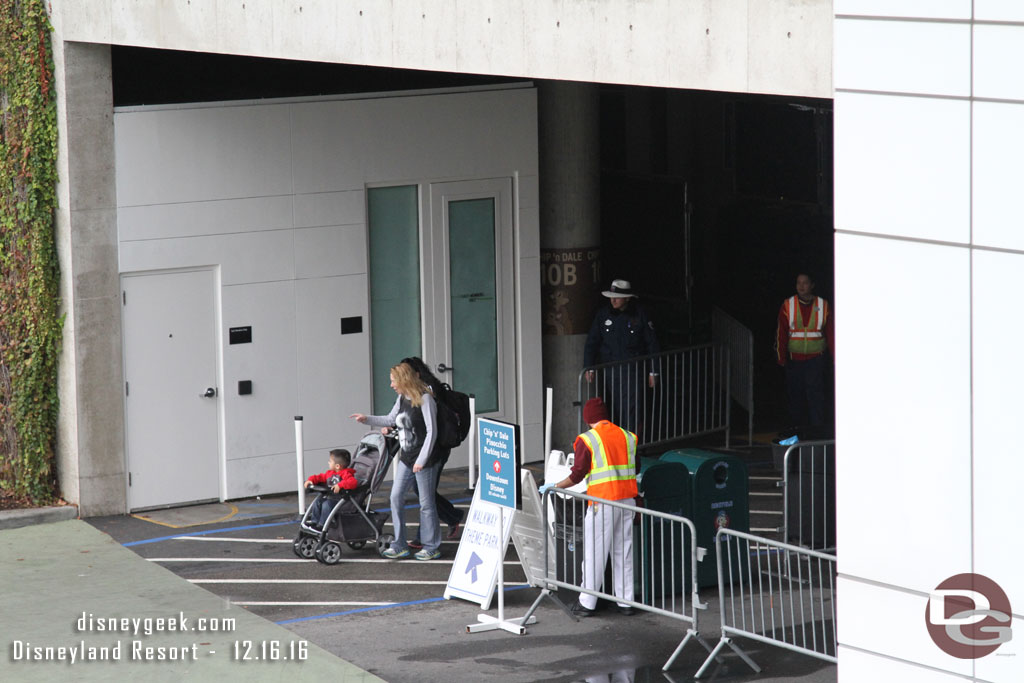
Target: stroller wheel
(357,545)
(329,552)
(304,546)
(384,542)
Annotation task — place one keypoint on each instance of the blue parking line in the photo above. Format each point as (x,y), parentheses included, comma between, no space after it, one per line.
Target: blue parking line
(208,532)
(377,607)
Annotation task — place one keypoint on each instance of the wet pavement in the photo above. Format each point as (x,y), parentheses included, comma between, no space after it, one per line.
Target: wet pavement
(362,619)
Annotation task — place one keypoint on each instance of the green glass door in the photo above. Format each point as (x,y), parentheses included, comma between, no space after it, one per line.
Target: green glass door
(472,299)
(473,342)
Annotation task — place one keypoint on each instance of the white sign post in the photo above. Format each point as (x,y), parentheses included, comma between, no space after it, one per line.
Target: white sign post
(497,444)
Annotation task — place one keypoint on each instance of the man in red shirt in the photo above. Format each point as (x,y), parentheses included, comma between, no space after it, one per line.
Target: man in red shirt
(804,332)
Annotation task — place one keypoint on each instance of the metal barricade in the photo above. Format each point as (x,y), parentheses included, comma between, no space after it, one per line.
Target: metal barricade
(809,495)
(659,560)
(730,332)
(689,395)
(774,593)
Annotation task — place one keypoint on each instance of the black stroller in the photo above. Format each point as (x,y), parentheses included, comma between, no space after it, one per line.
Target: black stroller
(351,521)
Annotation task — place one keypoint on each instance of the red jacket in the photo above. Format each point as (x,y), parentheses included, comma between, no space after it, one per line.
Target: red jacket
(343,478)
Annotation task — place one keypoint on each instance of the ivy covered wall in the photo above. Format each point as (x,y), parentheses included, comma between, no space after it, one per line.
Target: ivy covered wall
(30,322)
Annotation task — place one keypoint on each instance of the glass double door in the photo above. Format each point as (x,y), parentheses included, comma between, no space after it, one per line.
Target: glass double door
(460,289)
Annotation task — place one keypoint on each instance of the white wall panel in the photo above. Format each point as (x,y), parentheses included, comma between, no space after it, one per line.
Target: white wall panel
(324,252)
(902,166)
(1007,663)
(998,380)
(902,410)
(333,369)
(266,474)
(292,254)
(857,667)
(330,208)
(998,54)
(998,205)
(933,9)
(189,155)
(256,425)
(372,139)
(890,622)
(244,257)
(903,56)
(191,219)
(999,10)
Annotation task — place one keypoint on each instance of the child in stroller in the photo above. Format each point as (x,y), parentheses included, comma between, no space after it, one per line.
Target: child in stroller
(349,518)
(338,476)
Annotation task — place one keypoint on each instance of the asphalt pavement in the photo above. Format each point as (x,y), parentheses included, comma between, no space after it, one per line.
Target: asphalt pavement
(253,610)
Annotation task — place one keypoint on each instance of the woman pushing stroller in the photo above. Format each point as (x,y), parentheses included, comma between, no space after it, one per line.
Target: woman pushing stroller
(414,416)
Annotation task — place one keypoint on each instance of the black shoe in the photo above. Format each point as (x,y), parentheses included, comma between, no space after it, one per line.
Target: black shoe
(579,610)
(626,610)
(453,531)
(415,543)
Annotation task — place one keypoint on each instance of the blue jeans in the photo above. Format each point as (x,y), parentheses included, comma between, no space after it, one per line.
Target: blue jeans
(426,483)
(322,508)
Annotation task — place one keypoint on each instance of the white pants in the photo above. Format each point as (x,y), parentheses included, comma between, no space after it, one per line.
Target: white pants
(608,530)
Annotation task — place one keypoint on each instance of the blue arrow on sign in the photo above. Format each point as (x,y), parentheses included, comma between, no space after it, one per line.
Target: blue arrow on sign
(474,562)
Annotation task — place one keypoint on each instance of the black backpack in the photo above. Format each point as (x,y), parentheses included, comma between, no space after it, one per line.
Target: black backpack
(453,416)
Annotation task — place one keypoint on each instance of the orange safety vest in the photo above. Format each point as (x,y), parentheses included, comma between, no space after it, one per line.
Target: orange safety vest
(806,337)
(612,462)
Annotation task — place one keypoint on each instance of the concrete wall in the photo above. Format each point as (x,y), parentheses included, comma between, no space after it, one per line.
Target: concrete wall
(274,194)
(90,439)
(782,46)
(929,114)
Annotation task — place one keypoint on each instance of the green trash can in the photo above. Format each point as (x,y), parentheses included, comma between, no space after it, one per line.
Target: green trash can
(720,498)
(665,487)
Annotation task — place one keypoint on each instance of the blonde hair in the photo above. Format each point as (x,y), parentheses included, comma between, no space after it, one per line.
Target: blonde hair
(408,383)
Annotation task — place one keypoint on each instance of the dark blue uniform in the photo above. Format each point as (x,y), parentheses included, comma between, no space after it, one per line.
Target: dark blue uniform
(618,335)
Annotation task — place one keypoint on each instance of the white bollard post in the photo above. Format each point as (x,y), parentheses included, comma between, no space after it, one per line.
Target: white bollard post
(299,466)
(548,394)
(471,437)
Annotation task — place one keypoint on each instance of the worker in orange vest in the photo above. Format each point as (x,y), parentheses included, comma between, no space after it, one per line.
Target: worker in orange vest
(805,331)
(606,456)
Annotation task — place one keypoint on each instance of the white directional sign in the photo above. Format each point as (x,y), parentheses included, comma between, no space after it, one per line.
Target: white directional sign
(481,550)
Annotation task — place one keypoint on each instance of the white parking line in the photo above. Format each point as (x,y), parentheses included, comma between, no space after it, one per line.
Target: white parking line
(333,581)
(289,559)
(248,603)
(260,540)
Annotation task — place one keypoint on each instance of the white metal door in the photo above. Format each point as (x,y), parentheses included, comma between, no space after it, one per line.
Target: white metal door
(171,394)
(469,293)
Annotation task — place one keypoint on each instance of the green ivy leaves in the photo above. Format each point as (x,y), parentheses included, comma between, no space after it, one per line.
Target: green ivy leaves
(30,320)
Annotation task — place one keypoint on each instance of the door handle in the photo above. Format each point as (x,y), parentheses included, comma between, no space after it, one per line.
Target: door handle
(210,393)
(441,367)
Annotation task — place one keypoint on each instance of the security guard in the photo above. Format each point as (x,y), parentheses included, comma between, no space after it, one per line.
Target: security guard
(621,330)
(804,333)
(606,456)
